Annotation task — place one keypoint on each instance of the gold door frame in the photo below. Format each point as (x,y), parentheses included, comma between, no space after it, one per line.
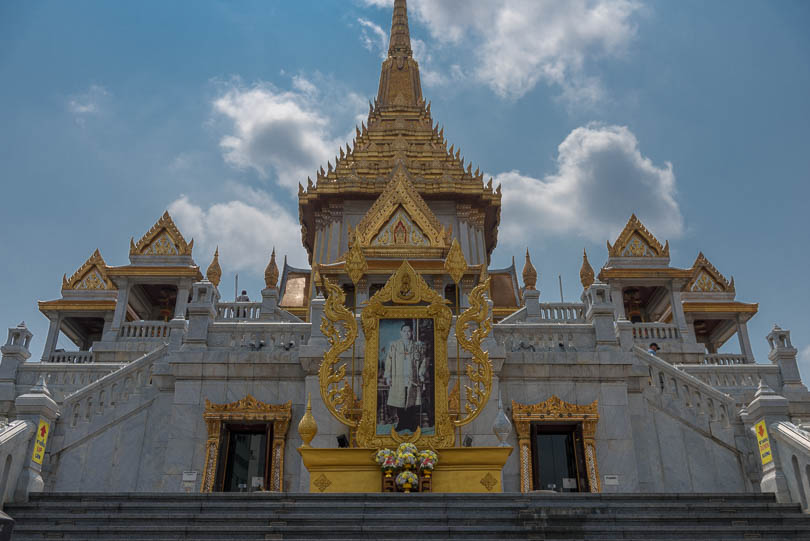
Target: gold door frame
(556,410)
(248,409)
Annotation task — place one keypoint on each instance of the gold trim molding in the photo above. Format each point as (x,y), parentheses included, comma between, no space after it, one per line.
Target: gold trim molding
(163,238)
(556,410)
(92,275)
(706,278)
(247,409)
(635,240)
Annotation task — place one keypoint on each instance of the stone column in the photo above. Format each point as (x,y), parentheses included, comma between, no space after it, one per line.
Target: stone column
(269,303)
(53,336)
(617,296)
(33,407)
(531,299)
(769,407)
(182,300)
(678,317)
(783,354)
(745,342)
(601,314)
(120,314)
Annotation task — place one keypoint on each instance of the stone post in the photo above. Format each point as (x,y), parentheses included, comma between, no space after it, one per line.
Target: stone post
(770,407)
(269,303)
(617,294)
(783,354)
(601,313)
(201,313)
(745,341)
(678,317)
(15,352)
(531,299)
(33,407)
(120,314)
(182,300)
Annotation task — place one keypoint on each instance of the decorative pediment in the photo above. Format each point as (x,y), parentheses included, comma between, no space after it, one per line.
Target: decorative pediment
(92,275)
(635,240)
(162,239)
(400,221)
(706,278)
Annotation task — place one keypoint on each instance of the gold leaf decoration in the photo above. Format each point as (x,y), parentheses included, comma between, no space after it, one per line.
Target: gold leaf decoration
(214,271)
(163,238)
(271,272)
(635,240)
(92,275)
(586,275)
(455,264)
(529,273)
(356,264)
(479,367)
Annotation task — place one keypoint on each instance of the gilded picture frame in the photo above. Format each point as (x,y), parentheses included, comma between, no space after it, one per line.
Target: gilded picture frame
(406,297)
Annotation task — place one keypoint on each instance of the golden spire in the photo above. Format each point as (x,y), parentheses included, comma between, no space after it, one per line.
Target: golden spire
(586,275)
(271,272)
(307,427)
(399,77)
(214,272)
(529,273)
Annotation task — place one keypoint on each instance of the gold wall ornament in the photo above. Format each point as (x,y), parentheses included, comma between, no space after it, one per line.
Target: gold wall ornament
(271,272)
(92,275)
(586,275)
(529,273)
(479,367)
(163,238)
(455,264)
(555,410)
(247,409)
(706,277)
(214,271)
(336,392)
(406,295)
(307,426)
(635,240)
(356,265)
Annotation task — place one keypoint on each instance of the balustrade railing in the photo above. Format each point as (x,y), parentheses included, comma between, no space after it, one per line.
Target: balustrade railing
(144,330)
(554,312)
(246,311)
(537,337)
(71,357)
(739,380)
(275,337)
(724,359)
(793,446)
(113,389)
(652,332)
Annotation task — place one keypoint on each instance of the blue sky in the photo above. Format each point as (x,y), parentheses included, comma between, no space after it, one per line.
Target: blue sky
(694,115)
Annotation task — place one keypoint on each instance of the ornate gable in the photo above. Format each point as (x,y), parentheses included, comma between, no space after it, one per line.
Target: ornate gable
(400,222)
(162,239)
(706,278)
(635,240)
(92,275)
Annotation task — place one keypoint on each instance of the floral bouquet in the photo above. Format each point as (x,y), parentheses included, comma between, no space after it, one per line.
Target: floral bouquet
(407,480)
(407,448)
(406,460)
(387,460)
(427,461)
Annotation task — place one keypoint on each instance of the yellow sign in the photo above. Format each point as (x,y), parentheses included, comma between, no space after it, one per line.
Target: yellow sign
(41,439)
(764,443)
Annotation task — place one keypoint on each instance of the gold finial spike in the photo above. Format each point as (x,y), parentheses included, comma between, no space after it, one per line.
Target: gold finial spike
(307,427)
(400,41)
(529,273)
(455,264)
(356,265)
(586,275)
(271,272)
(214,272)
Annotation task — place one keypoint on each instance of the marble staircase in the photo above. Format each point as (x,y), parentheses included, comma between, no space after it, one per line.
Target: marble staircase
(141,516)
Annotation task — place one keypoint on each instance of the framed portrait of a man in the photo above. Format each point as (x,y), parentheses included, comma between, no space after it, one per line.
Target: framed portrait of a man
(405,386)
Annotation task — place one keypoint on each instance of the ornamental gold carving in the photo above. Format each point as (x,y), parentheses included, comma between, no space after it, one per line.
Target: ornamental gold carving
(356,264)
(635,240)
(455,264)
(340,328)
(214,271)
(271,272)
(706,277)
(586,275)
(479,368)
(162,239)
(92,275)
(529,273)
(246,409)
(555,410)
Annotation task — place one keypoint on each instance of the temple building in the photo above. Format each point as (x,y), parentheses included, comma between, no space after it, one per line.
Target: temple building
(171,389)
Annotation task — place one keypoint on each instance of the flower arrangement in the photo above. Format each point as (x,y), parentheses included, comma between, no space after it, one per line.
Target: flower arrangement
(406,460)
(407,448)
(407,480)
(427,461)
(387,460)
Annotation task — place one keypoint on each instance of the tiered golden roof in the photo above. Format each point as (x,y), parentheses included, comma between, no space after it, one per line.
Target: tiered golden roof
(400,130)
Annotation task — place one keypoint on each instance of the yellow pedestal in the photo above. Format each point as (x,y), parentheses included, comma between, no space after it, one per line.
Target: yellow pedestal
(460,469)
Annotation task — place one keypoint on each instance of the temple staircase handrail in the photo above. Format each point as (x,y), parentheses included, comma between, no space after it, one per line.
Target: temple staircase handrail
(793,447)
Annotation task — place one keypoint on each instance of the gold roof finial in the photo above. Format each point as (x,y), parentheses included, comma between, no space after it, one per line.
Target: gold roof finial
(399,43)
(399,77)
(307,426)
(586,275)
(214,272)
(529,273)
(271,272)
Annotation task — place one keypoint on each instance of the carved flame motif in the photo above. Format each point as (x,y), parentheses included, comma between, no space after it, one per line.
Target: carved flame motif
(92,281)
(162,245)
(479,369)
(337,393)
(586,275)
(704,282)
(635,240)
(356,264)
(163,238)
(455,264)
(92,275)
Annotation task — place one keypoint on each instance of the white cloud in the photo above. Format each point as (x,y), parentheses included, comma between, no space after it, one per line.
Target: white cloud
(246,228)
(87,103)
(373,37)
(285,132)
(516,44)
(597,167)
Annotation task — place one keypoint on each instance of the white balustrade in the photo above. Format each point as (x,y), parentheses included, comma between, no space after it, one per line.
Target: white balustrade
(144,330)
(655,332)
(537,337)
(554,312)
(244,311)
(724,359)
(71,357)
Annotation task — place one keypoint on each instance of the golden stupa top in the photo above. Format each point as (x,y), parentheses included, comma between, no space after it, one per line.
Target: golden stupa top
(399,130)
